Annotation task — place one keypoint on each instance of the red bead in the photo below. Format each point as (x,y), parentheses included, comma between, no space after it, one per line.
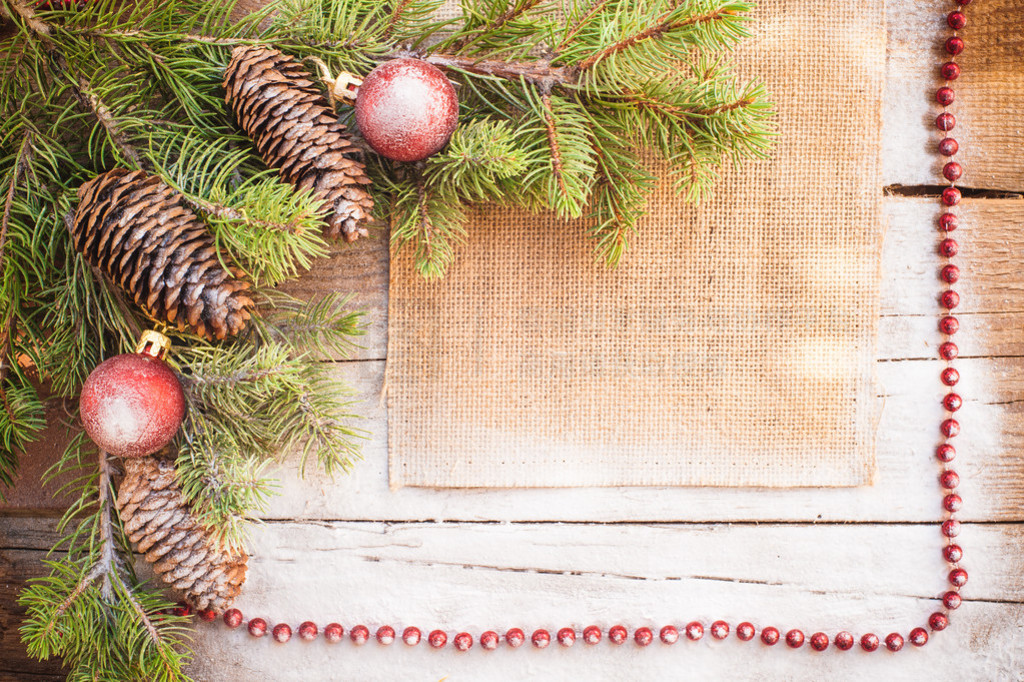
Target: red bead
(949,325)
(257,627)
(958,577)
(950,428)
(945,95)
(411,636)
(333,633)
(950,377)
(951,196)
(489,640)
(955,45)
(953,553)
(918,637)
(945,121)
(948,351)
(948,146)
(951,600)
(950,274)
(694,631)
(463,641)
(948,222)
(950,71)
(359,634)
(132,405)
(956,20)
(948,248)
(819,641)
(952,503)
(566,637)
(844,641)
(592,634)
(617,634)
(869,642)
(950,529)
(182,610)
(643,636)
(540,638)
(719,629)
(282,632)
(952,402)
(745,631)
(770,636)
(308,631)
(938,621)
(794,639)
(385,635)
(437,638)
(207,615)
(669,635)
(949,479)
(952,171)
(232,618)
(949,299)
(515,638)
(406,109)
(894,641)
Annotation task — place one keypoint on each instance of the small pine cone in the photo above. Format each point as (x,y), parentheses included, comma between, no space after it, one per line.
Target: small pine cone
(139,232)
(183,553)
(279,105)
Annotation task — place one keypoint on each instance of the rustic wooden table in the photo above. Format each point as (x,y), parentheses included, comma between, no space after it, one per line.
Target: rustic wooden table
(354,551)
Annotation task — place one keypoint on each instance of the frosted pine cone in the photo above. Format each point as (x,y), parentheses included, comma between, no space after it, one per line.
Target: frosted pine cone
(162,528)
(138,230)
(279,105)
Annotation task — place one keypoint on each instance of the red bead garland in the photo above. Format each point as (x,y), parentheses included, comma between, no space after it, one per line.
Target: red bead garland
(945,453)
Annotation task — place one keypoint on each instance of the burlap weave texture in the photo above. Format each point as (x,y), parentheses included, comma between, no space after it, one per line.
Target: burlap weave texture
(734,345)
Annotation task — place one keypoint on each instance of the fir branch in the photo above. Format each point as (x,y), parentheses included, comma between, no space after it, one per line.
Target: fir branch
(92,102)
(664,25)
(539,72)
(556,151)
(7,330)
(395,16)
(27,14)
(517,9)
(574,29)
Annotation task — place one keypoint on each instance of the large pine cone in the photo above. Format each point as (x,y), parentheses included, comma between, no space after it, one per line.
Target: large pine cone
(279,105)
(138,230)
(182,552)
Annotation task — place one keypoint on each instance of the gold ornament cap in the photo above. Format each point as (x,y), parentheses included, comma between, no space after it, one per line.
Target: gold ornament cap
(154,344)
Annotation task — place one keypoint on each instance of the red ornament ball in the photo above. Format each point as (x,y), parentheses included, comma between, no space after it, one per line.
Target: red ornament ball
(385,634)
(745,631)
(794,639)
(407,109)
(282,632)
(257,627)
(463,641)
(643,636)
(308,631)
(819,641)
(669,634)
(953,553)
(694,631)
(359,634)
(918,637)
(541,638)
(770,635)
(489,640)
(334,632)
(719,629)
(515,637)
(233,618)
(844,641)
(617,634)
(869,642)
(566,636)
(592,634)
(411,636)
(132,405)
(894,641)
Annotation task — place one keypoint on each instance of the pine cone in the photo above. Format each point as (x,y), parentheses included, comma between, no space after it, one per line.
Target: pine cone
(139,232)
(280,107)
(162,528)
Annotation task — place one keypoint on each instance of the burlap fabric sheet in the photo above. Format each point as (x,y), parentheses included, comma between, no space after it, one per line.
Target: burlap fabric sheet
(734,345)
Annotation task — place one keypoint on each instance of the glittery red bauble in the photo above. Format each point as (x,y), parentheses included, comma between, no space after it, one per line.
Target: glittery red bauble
(406,109)
(132,405)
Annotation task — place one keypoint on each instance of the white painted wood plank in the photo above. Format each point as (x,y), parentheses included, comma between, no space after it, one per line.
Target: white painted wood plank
(475,577)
